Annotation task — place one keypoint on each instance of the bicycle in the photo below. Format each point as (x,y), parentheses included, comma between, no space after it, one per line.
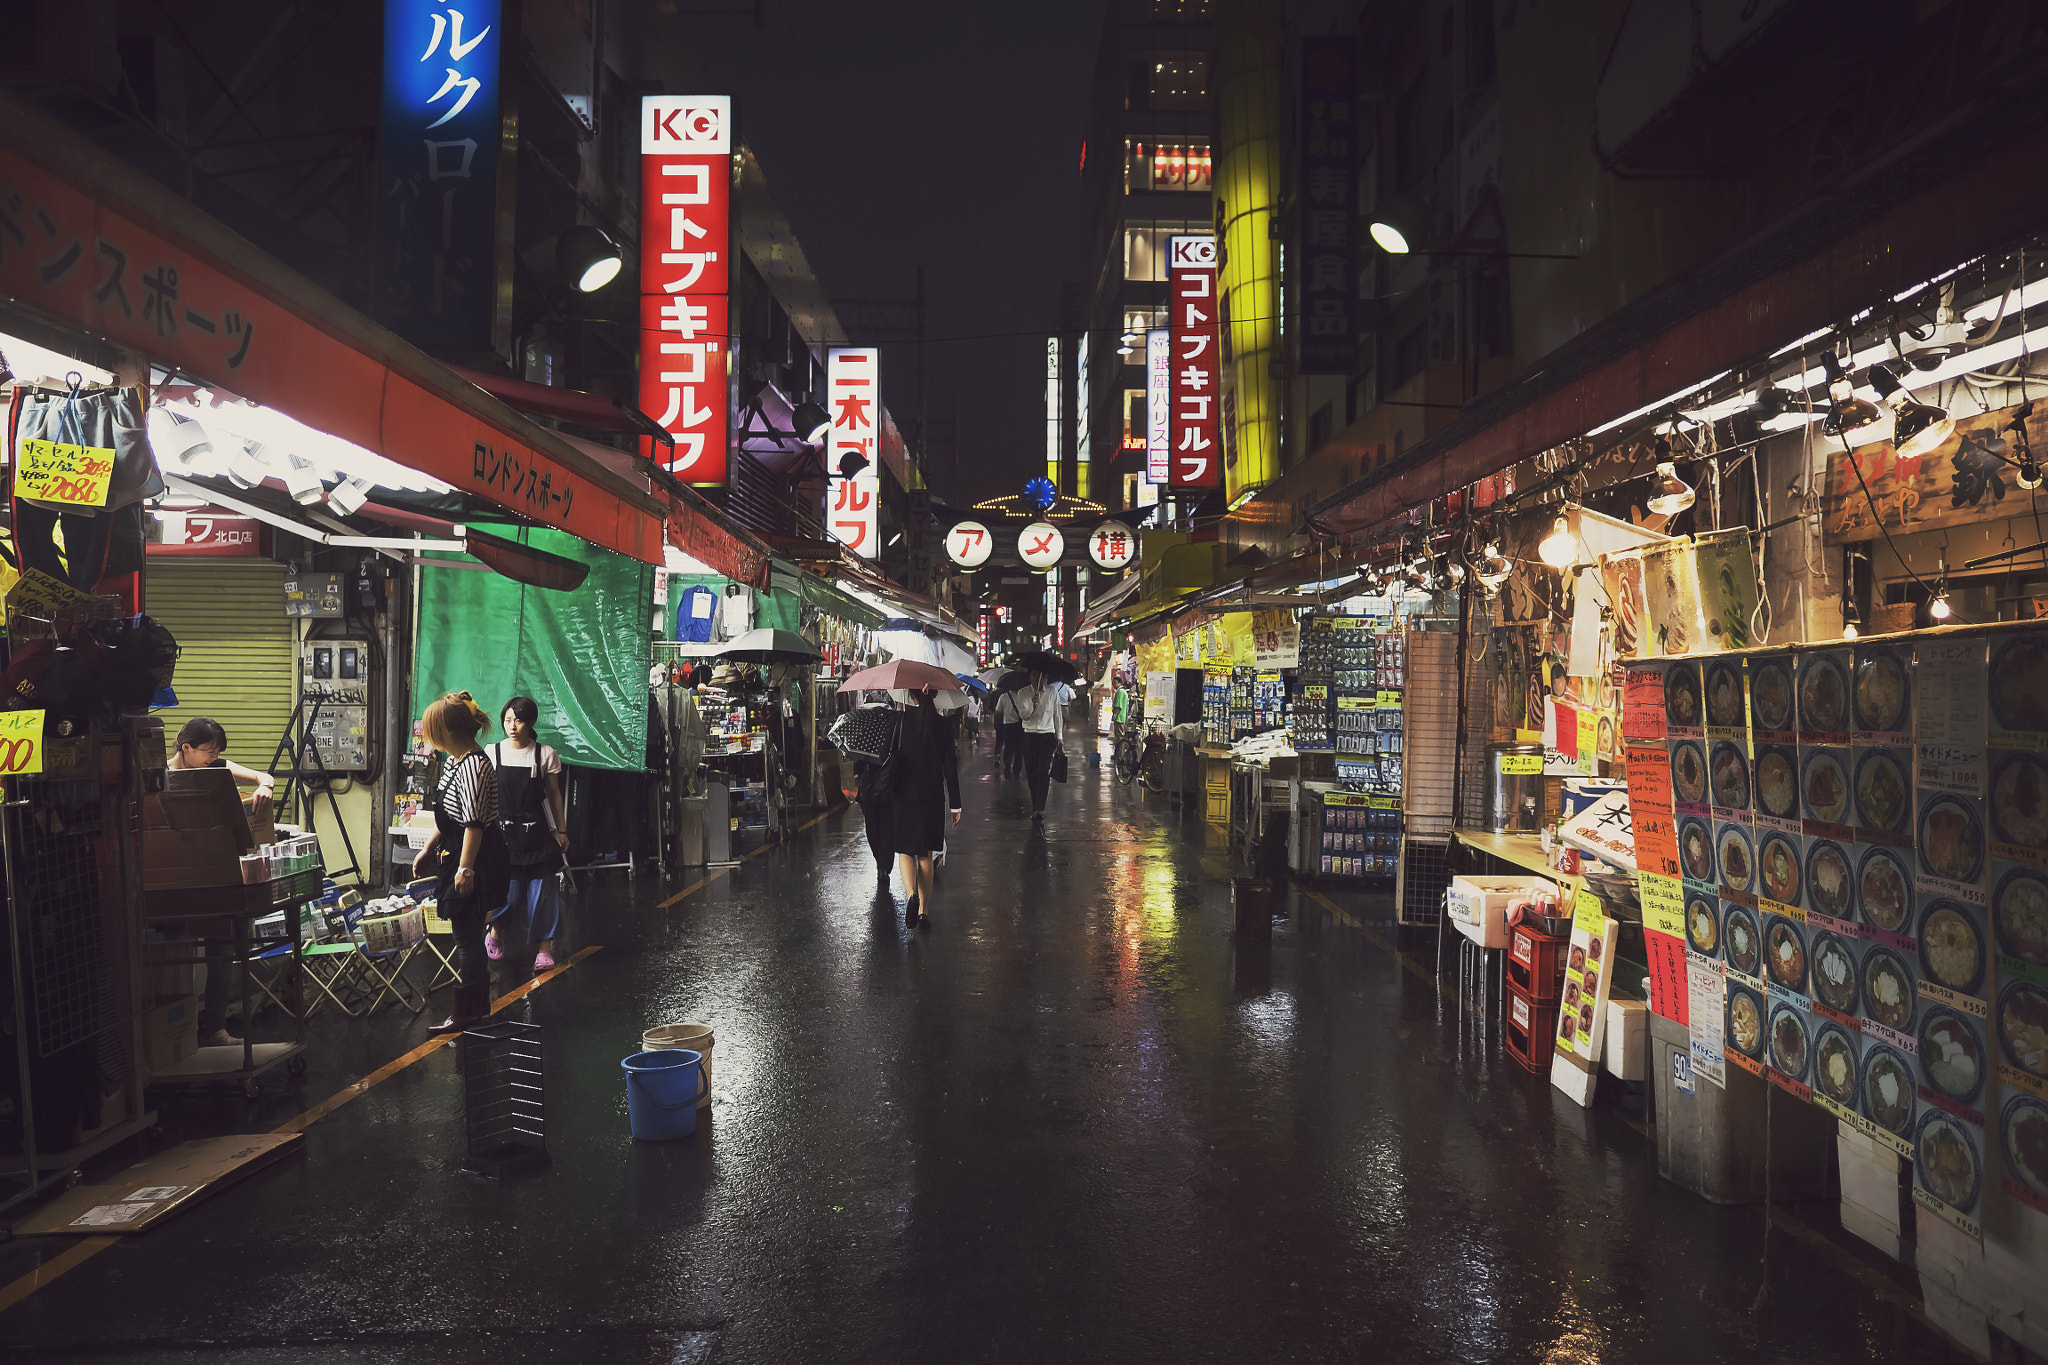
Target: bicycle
(1127,753)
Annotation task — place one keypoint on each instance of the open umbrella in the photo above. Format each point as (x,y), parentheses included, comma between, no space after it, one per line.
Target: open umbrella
(906,674)
(1052,666)
(971,682)
(906,638)
(1012,680)
(991,676)
(768,646)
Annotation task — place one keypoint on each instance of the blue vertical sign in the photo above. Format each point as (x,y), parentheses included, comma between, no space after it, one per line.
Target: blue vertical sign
(437,171)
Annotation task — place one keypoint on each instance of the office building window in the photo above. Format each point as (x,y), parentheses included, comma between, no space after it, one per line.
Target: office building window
(1167,80)
(1175,12)
(1145,248)
(1166,166)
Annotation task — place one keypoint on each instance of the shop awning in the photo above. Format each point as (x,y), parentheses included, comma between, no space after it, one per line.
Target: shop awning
(93,244)
(1103,608)
(1865,244)
(824,596)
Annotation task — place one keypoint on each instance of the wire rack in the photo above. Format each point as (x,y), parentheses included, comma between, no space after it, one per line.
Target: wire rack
(61,868)
(504,1108)
(1425,871)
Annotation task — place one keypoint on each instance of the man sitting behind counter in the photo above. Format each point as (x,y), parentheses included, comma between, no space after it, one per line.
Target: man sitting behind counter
(199,745)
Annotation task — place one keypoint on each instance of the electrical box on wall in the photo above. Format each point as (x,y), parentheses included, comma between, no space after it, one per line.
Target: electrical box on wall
(334,691)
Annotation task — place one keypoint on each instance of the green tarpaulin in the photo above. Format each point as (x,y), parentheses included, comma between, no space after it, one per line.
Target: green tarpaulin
(581,655)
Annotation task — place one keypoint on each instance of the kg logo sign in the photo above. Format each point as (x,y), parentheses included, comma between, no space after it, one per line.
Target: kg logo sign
(685,125)
(1191,253)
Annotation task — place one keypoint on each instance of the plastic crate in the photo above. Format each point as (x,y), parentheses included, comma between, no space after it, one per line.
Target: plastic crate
(1530,1027)
(1535,964)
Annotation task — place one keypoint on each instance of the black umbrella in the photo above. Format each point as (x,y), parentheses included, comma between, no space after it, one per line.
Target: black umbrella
(1052,666)
(1010,682)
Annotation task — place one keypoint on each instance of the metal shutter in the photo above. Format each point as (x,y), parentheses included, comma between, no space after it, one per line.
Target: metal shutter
(238,650)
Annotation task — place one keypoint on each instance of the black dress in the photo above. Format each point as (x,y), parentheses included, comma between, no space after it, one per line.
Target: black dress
(927,785)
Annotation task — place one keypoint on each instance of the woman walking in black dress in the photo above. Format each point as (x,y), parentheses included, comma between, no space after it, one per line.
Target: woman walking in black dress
(925,790)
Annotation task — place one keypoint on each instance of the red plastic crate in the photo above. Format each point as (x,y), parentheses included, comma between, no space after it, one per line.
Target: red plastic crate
(1535,964)
(1531,1027)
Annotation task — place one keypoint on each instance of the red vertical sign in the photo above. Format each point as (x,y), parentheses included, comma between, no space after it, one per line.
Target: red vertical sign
(1194,404)
(685,218)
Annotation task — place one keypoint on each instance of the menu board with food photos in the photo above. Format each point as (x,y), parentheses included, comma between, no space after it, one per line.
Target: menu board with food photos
(1862,834)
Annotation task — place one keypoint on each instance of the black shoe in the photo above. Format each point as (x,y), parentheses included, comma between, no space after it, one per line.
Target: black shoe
(910,911)
(924,922)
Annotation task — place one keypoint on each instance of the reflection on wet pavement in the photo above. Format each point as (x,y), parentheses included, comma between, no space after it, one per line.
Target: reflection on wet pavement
(1073,1121)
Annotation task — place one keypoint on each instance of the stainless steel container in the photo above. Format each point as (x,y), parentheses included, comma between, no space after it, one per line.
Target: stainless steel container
(1514,788)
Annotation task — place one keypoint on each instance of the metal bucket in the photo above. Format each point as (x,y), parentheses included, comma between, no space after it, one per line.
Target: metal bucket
(1514,788)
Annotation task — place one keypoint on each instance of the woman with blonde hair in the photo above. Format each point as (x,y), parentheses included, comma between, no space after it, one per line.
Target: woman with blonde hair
(467,851)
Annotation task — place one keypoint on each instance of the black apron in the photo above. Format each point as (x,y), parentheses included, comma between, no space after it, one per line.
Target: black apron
(493,879)
(523,815)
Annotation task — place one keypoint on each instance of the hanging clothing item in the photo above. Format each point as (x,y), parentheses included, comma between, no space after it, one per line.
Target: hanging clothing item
(735,615)
(696,613)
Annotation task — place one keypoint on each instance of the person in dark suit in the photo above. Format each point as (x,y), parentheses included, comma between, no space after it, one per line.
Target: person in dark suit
(926,790)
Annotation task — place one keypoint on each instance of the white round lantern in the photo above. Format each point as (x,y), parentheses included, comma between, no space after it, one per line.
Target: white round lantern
(969,544)
(1112,546)
(1040,545)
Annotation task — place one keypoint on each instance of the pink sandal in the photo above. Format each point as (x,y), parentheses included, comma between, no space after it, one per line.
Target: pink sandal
(542,961)
(492,949)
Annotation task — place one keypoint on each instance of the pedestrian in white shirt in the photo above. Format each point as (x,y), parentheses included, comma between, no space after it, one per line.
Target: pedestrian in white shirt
(1041,707)
(1009,736)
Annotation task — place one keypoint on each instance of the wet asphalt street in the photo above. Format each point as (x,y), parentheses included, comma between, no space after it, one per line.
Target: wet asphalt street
(1073,1122)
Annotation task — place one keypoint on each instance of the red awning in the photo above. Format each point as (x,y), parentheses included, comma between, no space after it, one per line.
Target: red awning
(544,400)
(92,242)
(1727,315)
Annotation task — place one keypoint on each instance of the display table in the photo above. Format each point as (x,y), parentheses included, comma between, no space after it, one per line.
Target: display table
(1524,851)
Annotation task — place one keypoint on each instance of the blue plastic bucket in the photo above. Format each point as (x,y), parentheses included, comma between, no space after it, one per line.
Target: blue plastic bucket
(662,1090)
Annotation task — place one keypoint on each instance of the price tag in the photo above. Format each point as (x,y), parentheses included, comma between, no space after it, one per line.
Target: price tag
(21,743)
(51,471)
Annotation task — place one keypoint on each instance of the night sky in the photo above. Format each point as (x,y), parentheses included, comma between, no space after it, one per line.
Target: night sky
(940,133)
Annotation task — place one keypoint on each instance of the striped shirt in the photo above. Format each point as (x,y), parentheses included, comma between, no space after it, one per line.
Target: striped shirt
(469,790)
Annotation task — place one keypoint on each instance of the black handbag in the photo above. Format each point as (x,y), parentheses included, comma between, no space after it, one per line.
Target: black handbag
(1059,765)
(868,733)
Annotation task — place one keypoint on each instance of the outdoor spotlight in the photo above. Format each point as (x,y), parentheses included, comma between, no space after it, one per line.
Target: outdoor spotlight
(1494,568)
(1917,428)
(1771,402)
(1669,494)
(590,260)
(1399,225)
(178,441)
(1938,608)
(248,468)
(348,497)
(810,422)
(1849,412)
(302,481)
(852,463)
(1559,549)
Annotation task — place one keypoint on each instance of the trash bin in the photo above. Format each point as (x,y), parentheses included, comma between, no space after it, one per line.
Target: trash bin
(1713,1141)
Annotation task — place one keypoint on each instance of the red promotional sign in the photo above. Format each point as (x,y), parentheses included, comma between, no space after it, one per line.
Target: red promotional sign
(853,384)
(685,229)
(1194,404)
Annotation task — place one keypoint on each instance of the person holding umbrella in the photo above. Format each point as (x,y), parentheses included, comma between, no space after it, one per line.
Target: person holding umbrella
(1041,710)
(1009,755)
(919,786)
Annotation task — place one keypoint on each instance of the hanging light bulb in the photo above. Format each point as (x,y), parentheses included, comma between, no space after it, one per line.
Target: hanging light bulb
(1850,413)
(2029,475)
(1559,549)
(1938,606)
(1669,494)
(1494,568)
(1455,572)
(2028,469)
(1849,631)
(1850,618)
(1917,428)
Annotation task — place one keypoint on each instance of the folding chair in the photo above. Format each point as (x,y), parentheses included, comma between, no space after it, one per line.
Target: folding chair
(438,928)
(324,960)
(381,972)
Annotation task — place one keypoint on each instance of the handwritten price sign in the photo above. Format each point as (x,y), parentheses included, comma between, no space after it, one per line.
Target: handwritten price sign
(21,743)
(54,472)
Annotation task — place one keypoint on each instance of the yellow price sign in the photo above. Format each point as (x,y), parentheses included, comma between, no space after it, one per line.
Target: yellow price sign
(1521,765)
(21,743)
(1663,900)
(1589,912)
(52,471)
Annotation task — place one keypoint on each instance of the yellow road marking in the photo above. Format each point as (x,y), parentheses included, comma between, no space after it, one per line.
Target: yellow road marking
(68,1259)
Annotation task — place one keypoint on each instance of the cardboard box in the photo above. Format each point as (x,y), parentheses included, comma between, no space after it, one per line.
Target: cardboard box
(170,1032)
(147,1193)
(175,859)
(166,980)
